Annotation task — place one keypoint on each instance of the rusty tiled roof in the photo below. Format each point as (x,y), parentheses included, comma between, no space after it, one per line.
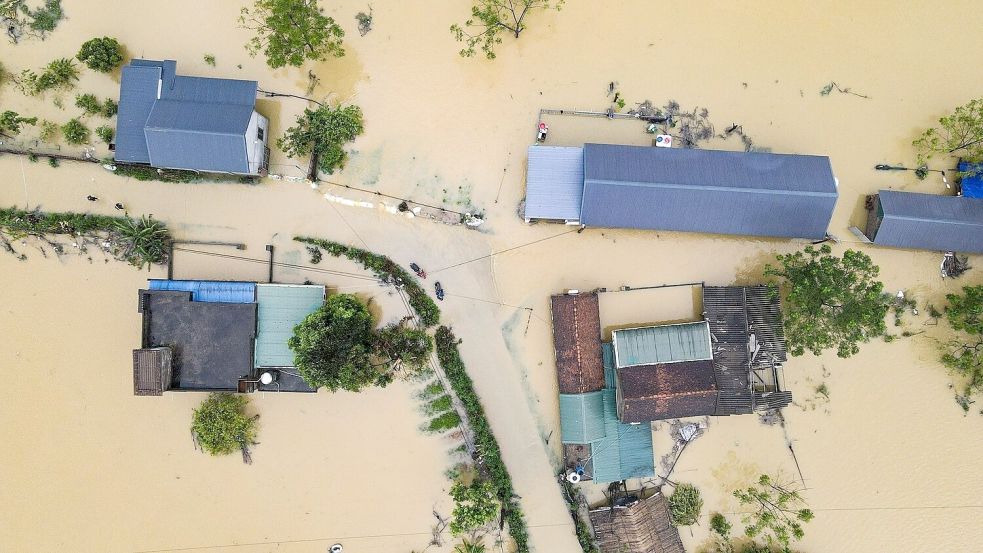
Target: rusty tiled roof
(642,527)
(667,391)
(577,341)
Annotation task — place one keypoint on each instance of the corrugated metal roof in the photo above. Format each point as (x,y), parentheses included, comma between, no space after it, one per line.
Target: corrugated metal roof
(554,183)
(581,417)
(662,344)
(189,125)
(625,451)
(209,291)
(607,353)
(759,194)
(930,222)
(281,308)
(137,95)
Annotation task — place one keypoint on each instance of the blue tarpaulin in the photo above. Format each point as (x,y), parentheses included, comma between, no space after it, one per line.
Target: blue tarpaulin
(210,291)
(972,185)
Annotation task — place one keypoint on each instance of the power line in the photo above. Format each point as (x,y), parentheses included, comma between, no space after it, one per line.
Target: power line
(505,250)
(279,264)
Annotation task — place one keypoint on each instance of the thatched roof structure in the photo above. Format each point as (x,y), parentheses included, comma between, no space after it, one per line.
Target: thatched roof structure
(636,526)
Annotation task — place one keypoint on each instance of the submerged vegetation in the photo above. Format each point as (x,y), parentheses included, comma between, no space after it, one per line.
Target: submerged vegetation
(322,134)
(291,32)
(474,506)
(387,271)
(830,302)
(143,241)
(960,133)
(59,75)
(75,132)
(778,512)
(685,505)
(490,18)
(17,18)
(11,121)
(220,425)
(963,353)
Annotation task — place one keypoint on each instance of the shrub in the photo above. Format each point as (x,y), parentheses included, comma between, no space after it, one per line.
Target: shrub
(405,347)
(49,131)
(101,54)
(75,132)
(210,59)
(221,426)
(109,108)
(88,103)
(11,121)
(59,74)
(474,506)
(685,505)
(105,134)
(53,162)
(444,422)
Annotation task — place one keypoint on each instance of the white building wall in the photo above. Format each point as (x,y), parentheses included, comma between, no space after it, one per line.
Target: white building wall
(255,146)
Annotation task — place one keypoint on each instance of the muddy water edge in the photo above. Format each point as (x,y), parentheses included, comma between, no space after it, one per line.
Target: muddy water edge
(888,460)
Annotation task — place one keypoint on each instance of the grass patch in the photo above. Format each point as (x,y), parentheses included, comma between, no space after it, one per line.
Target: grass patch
(387,270)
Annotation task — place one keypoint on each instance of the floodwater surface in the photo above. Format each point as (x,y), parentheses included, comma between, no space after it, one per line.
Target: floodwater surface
(888,459)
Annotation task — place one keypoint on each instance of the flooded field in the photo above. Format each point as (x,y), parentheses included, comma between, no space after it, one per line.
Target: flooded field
(888,459)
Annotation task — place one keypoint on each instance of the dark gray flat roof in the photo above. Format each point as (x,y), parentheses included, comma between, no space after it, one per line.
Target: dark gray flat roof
(930,222)
(712,191)
(211,343)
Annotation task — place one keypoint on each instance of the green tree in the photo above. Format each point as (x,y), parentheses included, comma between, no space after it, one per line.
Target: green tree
(830,302)
(290,32)
(88,103)
(474,506)
(777,512)
(221,426)
(960,133)
(404,347)
(963,354)
(490,18)
(333,344)
(101,54)
(59,74)
(685,505)
(143,241)
(75,132)
(11,121)
(109,108)
(322,133)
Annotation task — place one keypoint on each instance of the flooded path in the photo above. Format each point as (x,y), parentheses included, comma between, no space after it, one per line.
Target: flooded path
(888,460)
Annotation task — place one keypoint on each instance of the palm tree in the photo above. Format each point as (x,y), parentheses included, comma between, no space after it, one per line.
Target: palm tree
(468,546)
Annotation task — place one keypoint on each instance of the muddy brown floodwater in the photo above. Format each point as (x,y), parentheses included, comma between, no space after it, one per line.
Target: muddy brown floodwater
(889,460)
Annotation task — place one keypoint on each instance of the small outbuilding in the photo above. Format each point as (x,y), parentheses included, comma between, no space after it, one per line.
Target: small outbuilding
(925,221)
(634,525)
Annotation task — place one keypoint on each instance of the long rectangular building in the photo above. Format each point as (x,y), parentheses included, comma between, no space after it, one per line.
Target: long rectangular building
(692,190)
(926,222)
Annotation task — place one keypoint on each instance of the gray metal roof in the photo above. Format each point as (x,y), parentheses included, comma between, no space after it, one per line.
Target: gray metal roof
(930,222)
(137,95)
(661,344)
(179,122)
(744,193)
(554,183)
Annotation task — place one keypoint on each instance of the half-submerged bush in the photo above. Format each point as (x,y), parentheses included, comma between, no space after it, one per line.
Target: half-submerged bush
(220,424)
(75,132)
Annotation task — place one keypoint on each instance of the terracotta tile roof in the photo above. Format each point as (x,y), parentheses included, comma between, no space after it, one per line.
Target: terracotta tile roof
(577,341)
(667,391)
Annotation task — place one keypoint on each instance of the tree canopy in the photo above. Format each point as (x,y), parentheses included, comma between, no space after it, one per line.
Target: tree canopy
(404,347)
(490,18)
(960,133)
(101,54)
(332,346)
(290,32)
(963,354)
(830,302)
(11,121)
(221,426)
(322,134)
(778,512)
(685,505)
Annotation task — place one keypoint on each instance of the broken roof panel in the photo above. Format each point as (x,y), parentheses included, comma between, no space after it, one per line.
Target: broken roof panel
(661,344)
(577,342)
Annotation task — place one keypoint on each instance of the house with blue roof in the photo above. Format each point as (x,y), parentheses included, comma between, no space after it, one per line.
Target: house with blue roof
(171,121)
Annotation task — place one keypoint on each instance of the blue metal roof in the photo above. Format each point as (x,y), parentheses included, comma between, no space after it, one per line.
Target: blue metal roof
(281,308)
(554,183)
(193,123)
(137,94)
(210,291)
(744,193)
(930,222)
(972,184)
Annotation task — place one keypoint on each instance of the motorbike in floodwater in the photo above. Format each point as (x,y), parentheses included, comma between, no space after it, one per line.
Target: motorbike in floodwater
(419,272)
(439,290)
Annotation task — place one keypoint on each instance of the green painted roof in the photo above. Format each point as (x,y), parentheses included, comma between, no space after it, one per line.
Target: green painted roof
(281,307)
(607,357)
(625,451)
(581,417)
(662,344)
